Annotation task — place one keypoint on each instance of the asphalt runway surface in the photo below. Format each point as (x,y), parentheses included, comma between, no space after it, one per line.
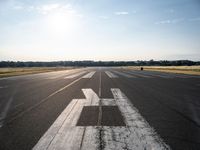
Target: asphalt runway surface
(100,108)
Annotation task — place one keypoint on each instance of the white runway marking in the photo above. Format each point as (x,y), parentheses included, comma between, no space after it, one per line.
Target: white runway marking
(89,75)
(55,77)
(124,74)
(75,75)
(45,99)
(140,75)
(111,75)
(62,74)
(162,76)
(5,110)
(156,74)
(64,134)
(2,87)
(18,105)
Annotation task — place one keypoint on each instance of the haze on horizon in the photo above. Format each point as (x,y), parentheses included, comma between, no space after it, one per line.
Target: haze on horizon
(125,30)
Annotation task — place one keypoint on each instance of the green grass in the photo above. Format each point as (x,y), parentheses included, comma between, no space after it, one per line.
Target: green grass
(7,72)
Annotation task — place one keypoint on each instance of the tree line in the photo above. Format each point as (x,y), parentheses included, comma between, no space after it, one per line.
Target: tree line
(97,63)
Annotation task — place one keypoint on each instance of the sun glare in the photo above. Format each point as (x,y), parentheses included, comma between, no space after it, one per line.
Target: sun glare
(59,22)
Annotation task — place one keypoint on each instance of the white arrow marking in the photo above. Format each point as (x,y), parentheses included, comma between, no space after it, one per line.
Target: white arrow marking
(64,134)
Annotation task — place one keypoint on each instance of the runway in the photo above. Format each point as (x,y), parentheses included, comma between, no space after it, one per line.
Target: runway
(100,108)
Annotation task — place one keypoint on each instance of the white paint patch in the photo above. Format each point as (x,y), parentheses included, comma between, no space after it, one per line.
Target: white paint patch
(75,75)
(111,75)
(124,74)
(64,134)
(89,75)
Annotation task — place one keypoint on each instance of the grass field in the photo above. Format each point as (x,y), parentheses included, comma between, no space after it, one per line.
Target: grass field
(7,72)
(193,70)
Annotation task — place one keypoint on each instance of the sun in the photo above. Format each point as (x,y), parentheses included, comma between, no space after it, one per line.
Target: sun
(59,22)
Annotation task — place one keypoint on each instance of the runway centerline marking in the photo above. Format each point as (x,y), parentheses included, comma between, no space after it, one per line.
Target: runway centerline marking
(100,103)
(65,134)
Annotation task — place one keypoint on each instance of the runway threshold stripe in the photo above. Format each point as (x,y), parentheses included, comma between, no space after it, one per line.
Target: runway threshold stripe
(124,74)
(139,74)
(75,75)
(111,75)
(69,72)
(64,134)
(155,74)
(89,75)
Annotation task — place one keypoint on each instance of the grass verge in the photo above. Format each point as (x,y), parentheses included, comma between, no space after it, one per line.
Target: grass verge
(8,72)
(192,70)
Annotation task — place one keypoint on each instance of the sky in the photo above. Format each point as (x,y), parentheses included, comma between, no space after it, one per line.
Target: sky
(118,30)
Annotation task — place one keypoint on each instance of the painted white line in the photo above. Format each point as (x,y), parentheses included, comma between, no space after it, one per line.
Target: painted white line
(155,74)
(53,130)
(111,75)
(140,75)
(100,85)
(45,99)
(18,105)
(64,134)
(124,74)
(161,74)
(6,108)
(89,75)
(75,75)
(138,134)
(184,76)
(61,74)
(55,77)
(100,103)
(2,87)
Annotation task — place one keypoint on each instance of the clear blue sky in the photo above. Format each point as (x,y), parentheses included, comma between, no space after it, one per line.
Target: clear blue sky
(46,30)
